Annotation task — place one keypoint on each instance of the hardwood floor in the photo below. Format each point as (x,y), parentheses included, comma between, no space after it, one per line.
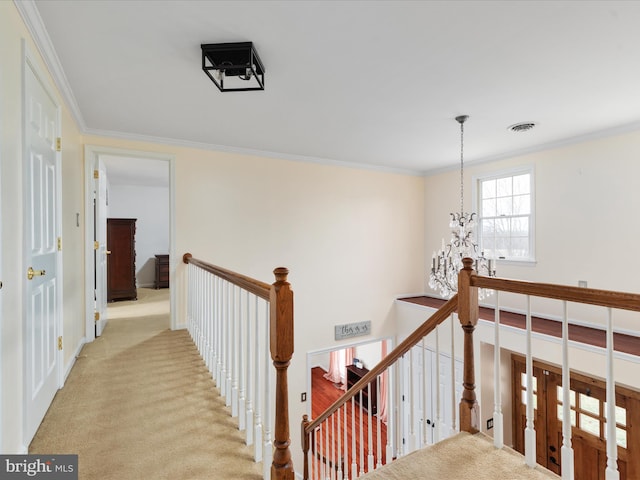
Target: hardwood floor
(590,336)
(323,394)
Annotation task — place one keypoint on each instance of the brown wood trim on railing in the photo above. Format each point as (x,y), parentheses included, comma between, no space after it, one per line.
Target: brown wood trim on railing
(258,288)
(592,296)
(281,341)
(436,319)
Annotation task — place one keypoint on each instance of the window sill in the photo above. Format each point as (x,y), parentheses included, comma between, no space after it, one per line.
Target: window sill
(519,263)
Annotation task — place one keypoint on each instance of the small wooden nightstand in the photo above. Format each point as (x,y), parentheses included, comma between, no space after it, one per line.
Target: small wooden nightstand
(353,375)
(162,271)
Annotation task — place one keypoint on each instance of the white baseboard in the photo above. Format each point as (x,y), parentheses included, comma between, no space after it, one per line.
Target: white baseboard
(67,370)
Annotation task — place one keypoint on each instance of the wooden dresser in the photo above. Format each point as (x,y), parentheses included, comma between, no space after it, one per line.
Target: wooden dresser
(121,263)
(162,271)
(353,375)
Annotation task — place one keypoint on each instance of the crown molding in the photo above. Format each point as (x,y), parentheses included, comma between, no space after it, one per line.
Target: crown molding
(565,142)
(33,22)
(247,151)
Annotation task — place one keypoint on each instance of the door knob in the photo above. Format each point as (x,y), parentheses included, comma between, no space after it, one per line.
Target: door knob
(108,252)
(35,273)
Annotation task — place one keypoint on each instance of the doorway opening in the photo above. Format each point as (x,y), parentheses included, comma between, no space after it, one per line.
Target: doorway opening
(331,372)
(133,185)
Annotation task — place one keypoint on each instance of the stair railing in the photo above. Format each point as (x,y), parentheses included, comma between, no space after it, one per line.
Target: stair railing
(611,300)
(237,323)
(341,443)
(341,439)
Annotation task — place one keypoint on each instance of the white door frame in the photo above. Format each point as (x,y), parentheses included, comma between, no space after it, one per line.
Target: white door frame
(29,61)
(91,153)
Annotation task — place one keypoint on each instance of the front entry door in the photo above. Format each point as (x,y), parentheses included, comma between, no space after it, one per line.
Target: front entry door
(588,420)
(42,283)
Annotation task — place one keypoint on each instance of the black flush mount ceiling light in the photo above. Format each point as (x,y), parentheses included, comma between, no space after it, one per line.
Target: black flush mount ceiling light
(233,67)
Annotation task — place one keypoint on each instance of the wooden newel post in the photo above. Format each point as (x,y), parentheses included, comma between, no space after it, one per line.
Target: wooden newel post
(281,343)
(305,446)
(468,316)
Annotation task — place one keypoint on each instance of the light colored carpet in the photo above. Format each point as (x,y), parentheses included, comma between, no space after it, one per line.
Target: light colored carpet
(140,404)
(461,457)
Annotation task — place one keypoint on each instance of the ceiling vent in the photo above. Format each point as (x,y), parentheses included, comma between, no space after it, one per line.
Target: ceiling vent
(521,127)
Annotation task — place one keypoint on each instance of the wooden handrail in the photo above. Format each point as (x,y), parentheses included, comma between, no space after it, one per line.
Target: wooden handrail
(258,288)
(281,341)
(592,296)
(436,319)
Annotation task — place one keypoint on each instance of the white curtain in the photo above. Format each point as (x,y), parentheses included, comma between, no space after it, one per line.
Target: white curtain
(338,361)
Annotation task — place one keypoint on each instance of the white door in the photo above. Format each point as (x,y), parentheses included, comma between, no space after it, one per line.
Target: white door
(100,232)
(42,283)
(427,407)
(449,404)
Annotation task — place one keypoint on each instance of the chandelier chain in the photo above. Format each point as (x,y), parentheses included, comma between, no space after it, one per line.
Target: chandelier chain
(447,262)
(461,168)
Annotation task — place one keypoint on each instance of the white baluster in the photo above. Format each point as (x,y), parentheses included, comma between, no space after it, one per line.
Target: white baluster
(333,447)
(209,321)
(196,304)
(268,393)
(190,299)
(316,449)
(529,431)
(235,350)
(219,334)
(345,455)
(224,331)
(250,370)
(354,464)
(259,393)
(611,472)
(391,412)
(361,435)
(425,426)
(498,429)
(321,454)
(378,422)
(370,459)
(241,361)
(437,434)
(326,456)
(339,450)
(412,406)
(229,344)
(453,380)
(201,311)
(567,450)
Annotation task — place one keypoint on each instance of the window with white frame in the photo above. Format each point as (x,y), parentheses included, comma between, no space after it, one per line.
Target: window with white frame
(505,210)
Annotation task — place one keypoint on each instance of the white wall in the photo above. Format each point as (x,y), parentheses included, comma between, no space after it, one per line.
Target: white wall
(587,197)
(150,206)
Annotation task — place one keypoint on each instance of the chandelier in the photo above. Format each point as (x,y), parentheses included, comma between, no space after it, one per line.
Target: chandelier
(447,262)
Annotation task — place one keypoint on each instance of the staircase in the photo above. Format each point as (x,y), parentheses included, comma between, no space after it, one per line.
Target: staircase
(442,461)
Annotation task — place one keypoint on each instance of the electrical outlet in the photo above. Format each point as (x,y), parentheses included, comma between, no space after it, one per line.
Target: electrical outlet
(490,424)
(582,283)
(303,397)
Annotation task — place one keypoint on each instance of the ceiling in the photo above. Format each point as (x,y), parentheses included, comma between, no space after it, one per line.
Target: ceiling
(139,172)
(370,83)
